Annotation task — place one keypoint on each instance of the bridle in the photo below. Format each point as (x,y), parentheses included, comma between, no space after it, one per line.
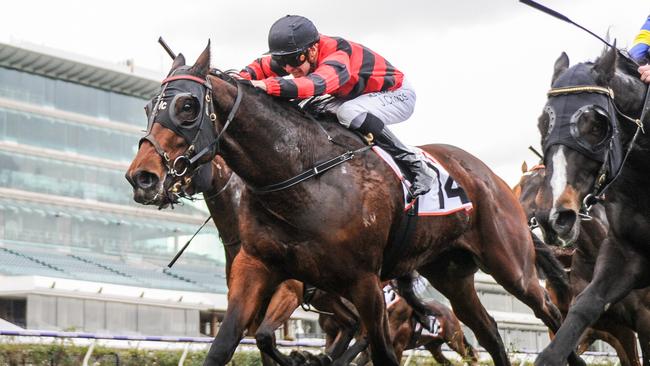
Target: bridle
(604,177)
(180,166)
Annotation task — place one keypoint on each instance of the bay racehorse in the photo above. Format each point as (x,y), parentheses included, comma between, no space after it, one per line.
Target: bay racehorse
(407,334)
(333,230)
(615,326)
(222,197)
(588,127)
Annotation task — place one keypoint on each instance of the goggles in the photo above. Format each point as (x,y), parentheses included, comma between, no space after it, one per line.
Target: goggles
(293,59)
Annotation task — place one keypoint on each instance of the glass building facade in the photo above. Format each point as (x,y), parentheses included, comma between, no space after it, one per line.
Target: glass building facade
(63,140)
(68,132)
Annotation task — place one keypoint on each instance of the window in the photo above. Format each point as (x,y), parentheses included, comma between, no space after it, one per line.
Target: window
(14,311)
(71,97)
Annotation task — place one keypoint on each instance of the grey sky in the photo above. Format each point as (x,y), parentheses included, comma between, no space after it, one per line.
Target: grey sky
(481,68)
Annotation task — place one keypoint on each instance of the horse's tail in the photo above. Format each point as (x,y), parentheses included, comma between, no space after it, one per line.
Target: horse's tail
(552,268)
(406,289)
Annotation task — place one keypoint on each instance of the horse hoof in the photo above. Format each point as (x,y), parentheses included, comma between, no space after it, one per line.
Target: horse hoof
(304,358)
(324,359)
(545,359)
(575,360)
(297,358)
(312,360)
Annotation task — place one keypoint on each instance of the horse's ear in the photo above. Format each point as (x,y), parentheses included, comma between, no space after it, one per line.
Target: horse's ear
(178,62)
(605,67)
(202,64)
(524,167)
(561,65)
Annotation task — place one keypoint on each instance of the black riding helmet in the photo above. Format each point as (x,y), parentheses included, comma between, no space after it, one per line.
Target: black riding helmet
(291,34)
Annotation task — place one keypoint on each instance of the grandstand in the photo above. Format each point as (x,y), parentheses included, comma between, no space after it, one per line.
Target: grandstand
(75,251)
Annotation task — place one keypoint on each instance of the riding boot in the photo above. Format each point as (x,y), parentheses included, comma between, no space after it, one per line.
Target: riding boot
(422,176)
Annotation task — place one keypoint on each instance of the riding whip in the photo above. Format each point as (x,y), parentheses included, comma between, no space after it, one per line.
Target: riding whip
(646,104)
(553,13)
(564,18)
(166,47)
(180,252)
(534,150)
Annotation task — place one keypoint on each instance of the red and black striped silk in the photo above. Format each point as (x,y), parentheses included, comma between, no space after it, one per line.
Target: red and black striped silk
(344,69)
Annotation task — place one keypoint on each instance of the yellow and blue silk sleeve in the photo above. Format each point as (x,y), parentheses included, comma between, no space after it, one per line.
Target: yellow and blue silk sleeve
(641,46)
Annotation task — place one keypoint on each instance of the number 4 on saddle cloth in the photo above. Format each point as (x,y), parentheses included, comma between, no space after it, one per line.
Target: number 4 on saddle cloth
(445,196)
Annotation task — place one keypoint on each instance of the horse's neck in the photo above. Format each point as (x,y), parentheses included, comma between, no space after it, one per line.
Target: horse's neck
(266,143)
(630,97)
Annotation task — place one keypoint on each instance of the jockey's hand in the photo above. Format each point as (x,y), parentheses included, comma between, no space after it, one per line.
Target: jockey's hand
(645,73)
(259,84)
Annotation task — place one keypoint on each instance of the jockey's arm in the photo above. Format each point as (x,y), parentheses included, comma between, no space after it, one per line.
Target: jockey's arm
(640,50)
(327,78)
(262,68)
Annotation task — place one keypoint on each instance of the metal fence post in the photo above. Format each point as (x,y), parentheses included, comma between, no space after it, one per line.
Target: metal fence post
(91,348)
(184,355)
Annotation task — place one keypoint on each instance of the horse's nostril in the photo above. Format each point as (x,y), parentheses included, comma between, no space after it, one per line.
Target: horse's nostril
(145,180)
(565,219)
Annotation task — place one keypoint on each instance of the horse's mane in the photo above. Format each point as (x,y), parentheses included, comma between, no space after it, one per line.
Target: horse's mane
(307,115)
(627,65)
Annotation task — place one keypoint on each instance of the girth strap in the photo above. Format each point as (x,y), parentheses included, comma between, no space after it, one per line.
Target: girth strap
(401,240)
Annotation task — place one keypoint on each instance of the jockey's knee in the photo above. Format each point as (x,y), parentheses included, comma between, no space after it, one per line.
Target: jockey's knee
(351,115)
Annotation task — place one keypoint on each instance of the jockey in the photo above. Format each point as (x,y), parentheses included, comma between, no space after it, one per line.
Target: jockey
(640,51)
(370,92)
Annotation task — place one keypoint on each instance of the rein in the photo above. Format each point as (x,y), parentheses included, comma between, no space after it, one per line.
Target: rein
(317,170)
(223,189)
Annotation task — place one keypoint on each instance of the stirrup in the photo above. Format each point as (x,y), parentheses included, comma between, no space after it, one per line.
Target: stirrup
(369,137)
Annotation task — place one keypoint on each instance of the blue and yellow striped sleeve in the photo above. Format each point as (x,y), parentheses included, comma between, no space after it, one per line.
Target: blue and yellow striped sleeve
(639,50)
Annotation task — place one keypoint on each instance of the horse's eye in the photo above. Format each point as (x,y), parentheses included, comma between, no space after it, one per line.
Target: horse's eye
(592,126)
(187,110)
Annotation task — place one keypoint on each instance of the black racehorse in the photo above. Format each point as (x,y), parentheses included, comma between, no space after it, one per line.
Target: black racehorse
(588,127)
(336,230)
(617,326)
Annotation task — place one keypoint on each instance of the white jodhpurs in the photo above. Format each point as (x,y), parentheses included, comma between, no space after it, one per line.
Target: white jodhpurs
(390,107)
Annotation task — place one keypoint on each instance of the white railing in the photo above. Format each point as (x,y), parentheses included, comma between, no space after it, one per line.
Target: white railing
(180,339)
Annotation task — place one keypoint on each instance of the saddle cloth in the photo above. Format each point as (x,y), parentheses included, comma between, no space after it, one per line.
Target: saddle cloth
(445,196)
